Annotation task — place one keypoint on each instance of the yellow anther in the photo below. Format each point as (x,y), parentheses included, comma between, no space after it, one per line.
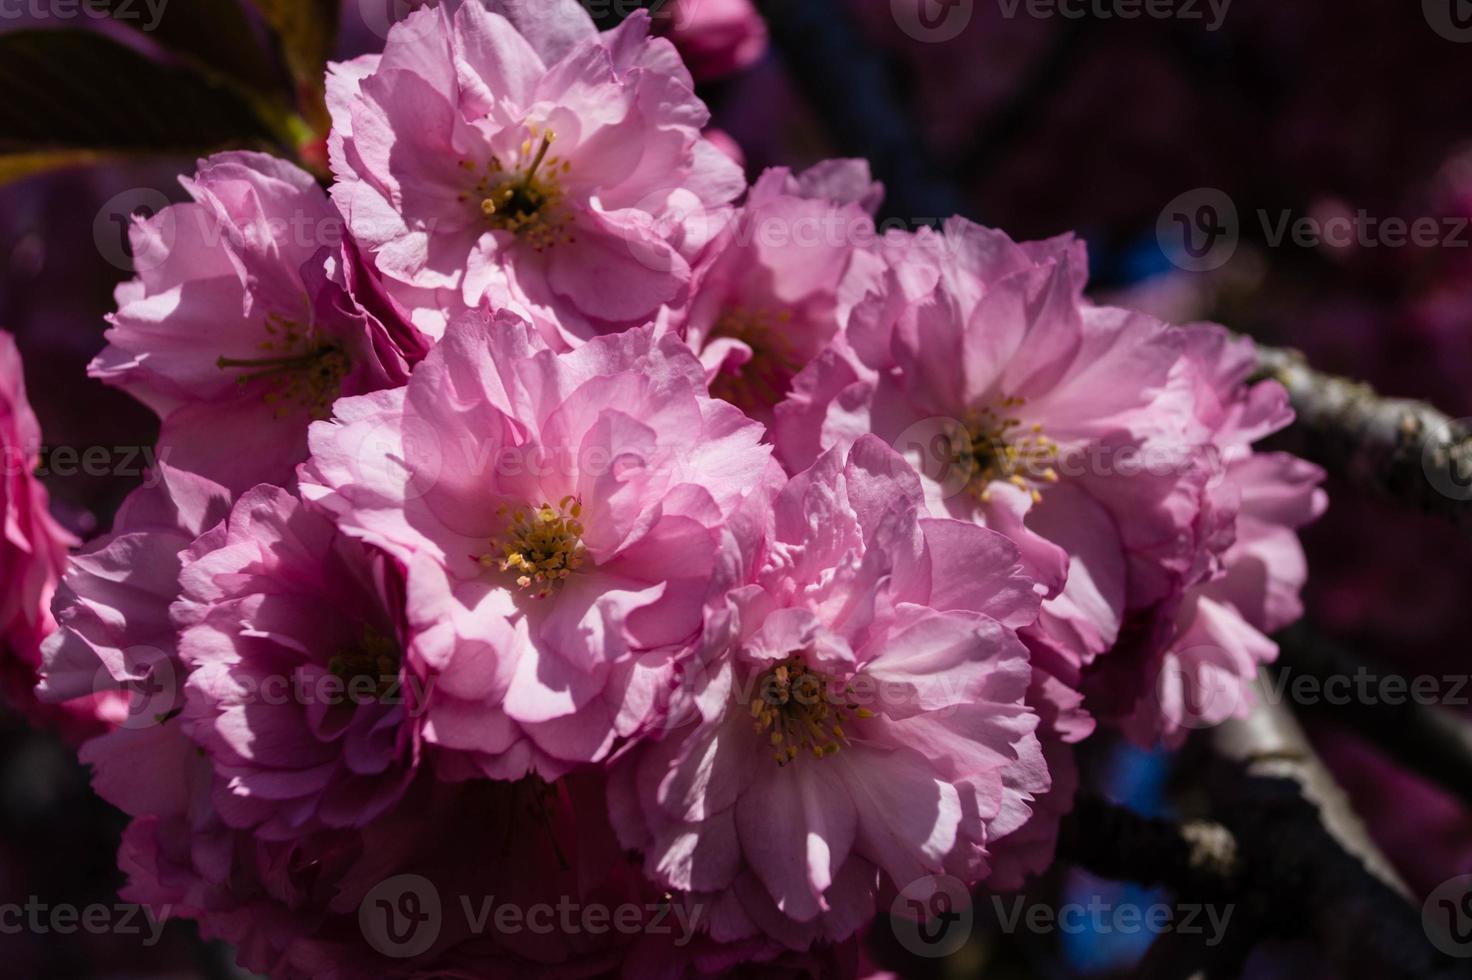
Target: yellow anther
(540,552)
(795,707)
(997,453)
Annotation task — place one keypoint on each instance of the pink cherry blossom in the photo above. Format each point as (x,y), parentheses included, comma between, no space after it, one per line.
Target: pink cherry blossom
(717,37)
(534,164)
(33,550)
(559,516)
(115,636)
(290,901)
(1220,632)
(290,632)
(240,328)
(1027,409)
(776,285)
(865,722)
(1025,833)
(334,904)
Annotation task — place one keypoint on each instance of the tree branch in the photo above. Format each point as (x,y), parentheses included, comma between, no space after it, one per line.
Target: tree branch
(1274,864)
(1422,736)
(1401,449)
(1287,855)
(1312,857)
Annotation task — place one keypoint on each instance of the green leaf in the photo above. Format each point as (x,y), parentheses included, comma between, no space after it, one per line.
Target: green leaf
(77,92)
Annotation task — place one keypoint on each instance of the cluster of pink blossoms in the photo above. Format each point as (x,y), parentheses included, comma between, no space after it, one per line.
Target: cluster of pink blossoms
(548,518)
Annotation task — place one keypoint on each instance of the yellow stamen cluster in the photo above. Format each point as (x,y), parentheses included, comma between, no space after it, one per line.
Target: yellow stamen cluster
(303,371)
(540,548)
(375,656)
(1003,449)
(797,711)
(767,376)
(525,200)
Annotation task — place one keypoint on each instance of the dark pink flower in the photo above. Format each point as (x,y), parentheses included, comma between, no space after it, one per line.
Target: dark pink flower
(33,549)
(291,635)
(115,637)
(717,37)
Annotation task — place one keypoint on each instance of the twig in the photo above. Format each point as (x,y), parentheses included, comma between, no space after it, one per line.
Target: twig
(1425,737)
(1198,861)
(1275,866)
(1405,450)
(1288,855)
(1311,858)
(1117,843)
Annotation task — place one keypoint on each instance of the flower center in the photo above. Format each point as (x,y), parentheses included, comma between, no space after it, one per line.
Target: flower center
(797,709)
(766,378)
(300,369)
(540,548)
(375,657)
(1002,448)
(525,200)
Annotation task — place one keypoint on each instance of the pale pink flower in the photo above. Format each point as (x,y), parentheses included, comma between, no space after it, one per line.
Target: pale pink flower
(529,162)
(1029,410)
(33,548)
(559,516)
(864,723)
(776,285)
(1219,635)
(291,633)
(240,327)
